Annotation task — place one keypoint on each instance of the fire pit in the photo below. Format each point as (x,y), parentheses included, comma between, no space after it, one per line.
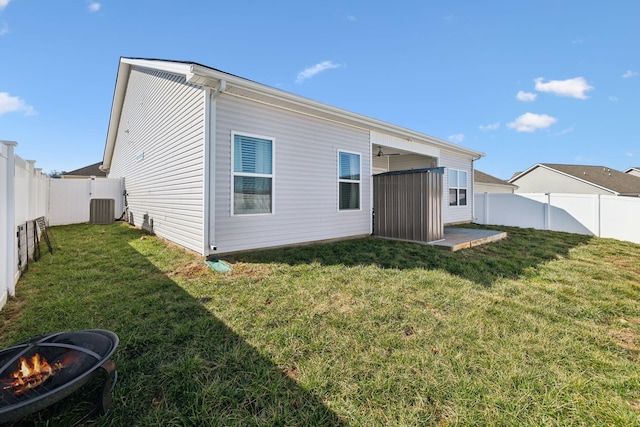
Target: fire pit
(45,369)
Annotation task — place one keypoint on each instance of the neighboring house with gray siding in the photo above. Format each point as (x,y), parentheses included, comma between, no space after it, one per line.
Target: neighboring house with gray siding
(218,163)
(485,183)
(578,179)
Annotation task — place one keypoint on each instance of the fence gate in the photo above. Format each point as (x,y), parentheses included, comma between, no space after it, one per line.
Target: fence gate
(407,204)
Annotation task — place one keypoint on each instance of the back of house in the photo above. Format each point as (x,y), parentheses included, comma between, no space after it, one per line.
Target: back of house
(219,164)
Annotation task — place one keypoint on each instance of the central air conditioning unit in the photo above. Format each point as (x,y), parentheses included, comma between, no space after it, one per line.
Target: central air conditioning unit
(102,211)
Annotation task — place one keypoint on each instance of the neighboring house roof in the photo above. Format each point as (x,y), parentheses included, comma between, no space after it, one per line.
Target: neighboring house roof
(91,170)
(485,178)
(220,82)
(633,170)
(608,179)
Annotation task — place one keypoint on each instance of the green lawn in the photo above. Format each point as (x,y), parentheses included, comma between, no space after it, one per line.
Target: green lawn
(542,328)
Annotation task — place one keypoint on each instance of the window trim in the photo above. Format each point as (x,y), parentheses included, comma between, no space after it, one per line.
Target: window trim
(351,181)
(259,175)
(458,188)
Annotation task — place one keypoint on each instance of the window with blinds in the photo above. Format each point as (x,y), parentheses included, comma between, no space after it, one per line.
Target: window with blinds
(348,180)
(252,174)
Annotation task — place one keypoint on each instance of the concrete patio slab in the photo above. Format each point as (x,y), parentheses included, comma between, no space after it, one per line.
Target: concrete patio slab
(461,238)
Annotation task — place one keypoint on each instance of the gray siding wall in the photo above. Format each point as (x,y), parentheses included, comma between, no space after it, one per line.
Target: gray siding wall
(456,214)
(542,180)
(305,187)
(160,152)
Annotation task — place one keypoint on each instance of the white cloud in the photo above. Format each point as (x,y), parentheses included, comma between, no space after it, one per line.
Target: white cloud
(566,131)
(351,18)
(629,74)
(530,122)
(4,3)
(11,104)
(94,6)
(4,28)
(629,154)
(574,88)
(613,98)
(492,126)
(309,72)
(456,138)
(526,96)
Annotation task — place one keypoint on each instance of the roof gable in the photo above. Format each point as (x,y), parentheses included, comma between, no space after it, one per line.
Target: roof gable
(606,178)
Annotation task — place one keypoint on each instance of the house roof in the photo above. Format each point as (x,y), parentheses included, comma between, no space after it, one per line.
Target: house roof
(222,82)
(485,178)
(633,168)
(91,170)
(612,180)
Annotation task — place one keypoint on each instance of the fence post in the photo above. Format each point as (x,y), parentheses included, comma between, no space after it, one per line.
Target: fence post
(10,226)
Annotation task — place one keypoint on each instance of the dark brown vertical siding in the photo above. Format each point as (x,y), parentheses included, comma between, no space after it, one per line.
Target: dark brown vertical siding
(408,205)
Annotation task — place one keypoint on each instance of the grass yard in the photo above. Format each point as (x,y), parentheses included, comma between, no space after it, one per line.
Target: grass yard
(542,328)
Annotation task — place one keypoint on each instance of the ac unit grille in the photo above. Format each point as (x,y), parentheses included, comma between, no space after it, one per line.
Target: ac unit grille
(102,211)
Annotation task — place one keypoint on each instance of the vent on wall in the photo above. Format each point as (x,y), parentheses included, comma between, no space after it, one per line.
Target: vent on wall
(102,211)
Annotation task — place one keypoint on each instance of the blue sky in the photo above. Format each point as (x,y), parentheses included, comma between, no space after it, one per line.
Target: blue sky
(524,82)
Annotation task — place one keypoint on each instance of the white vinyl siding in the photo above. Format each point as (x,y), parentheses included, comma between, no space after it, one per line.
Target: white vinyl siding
(305,183)
(456,214)
(160,151)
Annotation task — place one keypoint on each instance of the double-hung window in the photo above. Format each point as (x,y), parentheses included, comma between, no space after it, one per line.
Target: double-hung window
(348,180)
(252,174)
(457,187)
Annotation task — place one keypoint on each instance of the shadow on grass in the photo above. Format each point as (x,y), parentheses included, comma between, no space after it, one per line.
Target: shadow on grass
(509,258)
(177,363)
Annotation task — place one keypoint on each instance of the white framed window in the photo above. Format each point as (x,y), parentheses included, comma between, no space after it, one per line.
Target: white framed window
(457,187)
(349,180)
(252,174)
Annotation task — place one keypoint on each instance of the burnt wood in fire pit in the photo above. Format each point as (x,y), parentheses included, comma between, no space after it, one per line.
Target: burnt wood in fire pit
(45,369)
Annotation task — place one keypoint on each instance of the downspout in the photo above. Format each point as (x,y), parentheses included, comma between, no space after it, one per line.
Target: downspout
(473,189)
(209,166)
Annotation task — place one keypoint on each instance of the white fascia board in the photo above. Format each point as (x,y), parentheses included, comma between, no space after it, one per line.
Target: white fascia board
(116,110)
(168,66)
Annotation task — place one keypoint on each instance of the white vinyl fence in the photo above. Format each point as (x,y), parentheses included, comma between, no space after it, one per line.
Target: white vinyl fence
(69,199)
(26,194)
(616,217)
